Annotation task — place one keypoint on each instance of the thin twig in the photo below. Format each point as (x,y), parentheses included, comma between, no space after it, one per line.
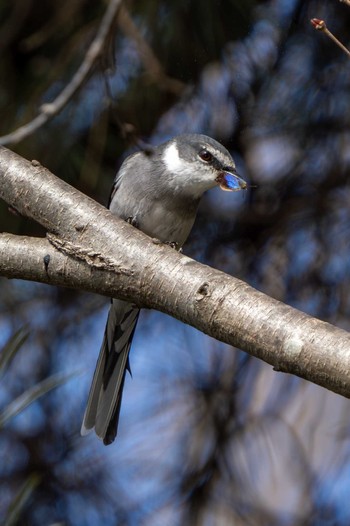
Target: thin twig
(48,111)
(320,25)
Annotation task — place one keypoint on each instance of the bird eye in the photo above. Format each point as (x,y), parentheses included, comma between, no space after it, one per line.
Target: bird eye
(205,156)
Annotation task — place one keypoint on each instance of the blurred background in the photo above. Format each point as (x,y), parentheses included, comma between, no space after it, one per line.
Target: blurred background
(208,435)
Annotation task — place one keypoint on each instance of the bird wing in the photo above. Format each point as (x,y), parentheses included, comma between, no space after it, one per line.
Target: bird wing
(120,174)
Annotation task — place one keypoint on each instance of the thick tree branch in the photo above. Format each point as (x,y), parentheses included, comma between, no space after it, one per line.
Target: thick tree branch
(85,238)
(36,259)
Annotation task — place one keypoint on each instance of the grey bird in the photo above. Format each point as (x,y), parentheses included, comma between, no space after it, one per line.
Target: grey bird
(157,191)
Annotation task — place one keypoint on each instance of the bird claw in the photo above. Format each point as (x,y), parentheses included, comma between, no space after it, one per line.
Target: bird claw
(174,244)
(171,244)
(132,221)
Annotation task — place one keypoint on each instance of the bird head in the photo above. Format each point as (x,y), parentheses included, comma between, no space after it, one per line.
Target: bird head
(195,163)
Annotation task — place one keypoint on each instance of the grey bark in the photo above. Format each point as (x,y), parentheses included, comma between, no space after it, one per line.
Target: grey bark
(92,250)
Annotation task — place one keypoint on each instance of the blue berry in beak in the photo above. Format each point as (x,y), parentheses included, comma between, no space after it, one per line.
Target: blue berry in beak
(231,182)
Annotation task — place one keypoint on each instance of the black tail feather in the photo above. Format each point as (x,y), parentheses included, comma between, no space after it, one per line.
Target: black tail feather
(103,408)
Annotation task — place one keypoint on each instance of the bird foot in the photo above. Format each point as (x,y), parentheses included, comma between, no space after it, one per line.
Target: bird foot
(132,221)
(171,244)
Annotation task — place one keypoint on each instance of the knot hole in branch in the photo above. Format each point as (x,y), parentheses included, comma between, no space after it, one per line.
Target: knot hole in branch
(202,292)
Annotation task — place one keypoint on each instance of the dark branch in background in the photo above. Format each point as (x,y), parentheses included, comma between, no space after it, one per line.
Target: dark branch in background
(48,111)
(127,130)
(154,72)
(153,67)
(53,25)
(119,257)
